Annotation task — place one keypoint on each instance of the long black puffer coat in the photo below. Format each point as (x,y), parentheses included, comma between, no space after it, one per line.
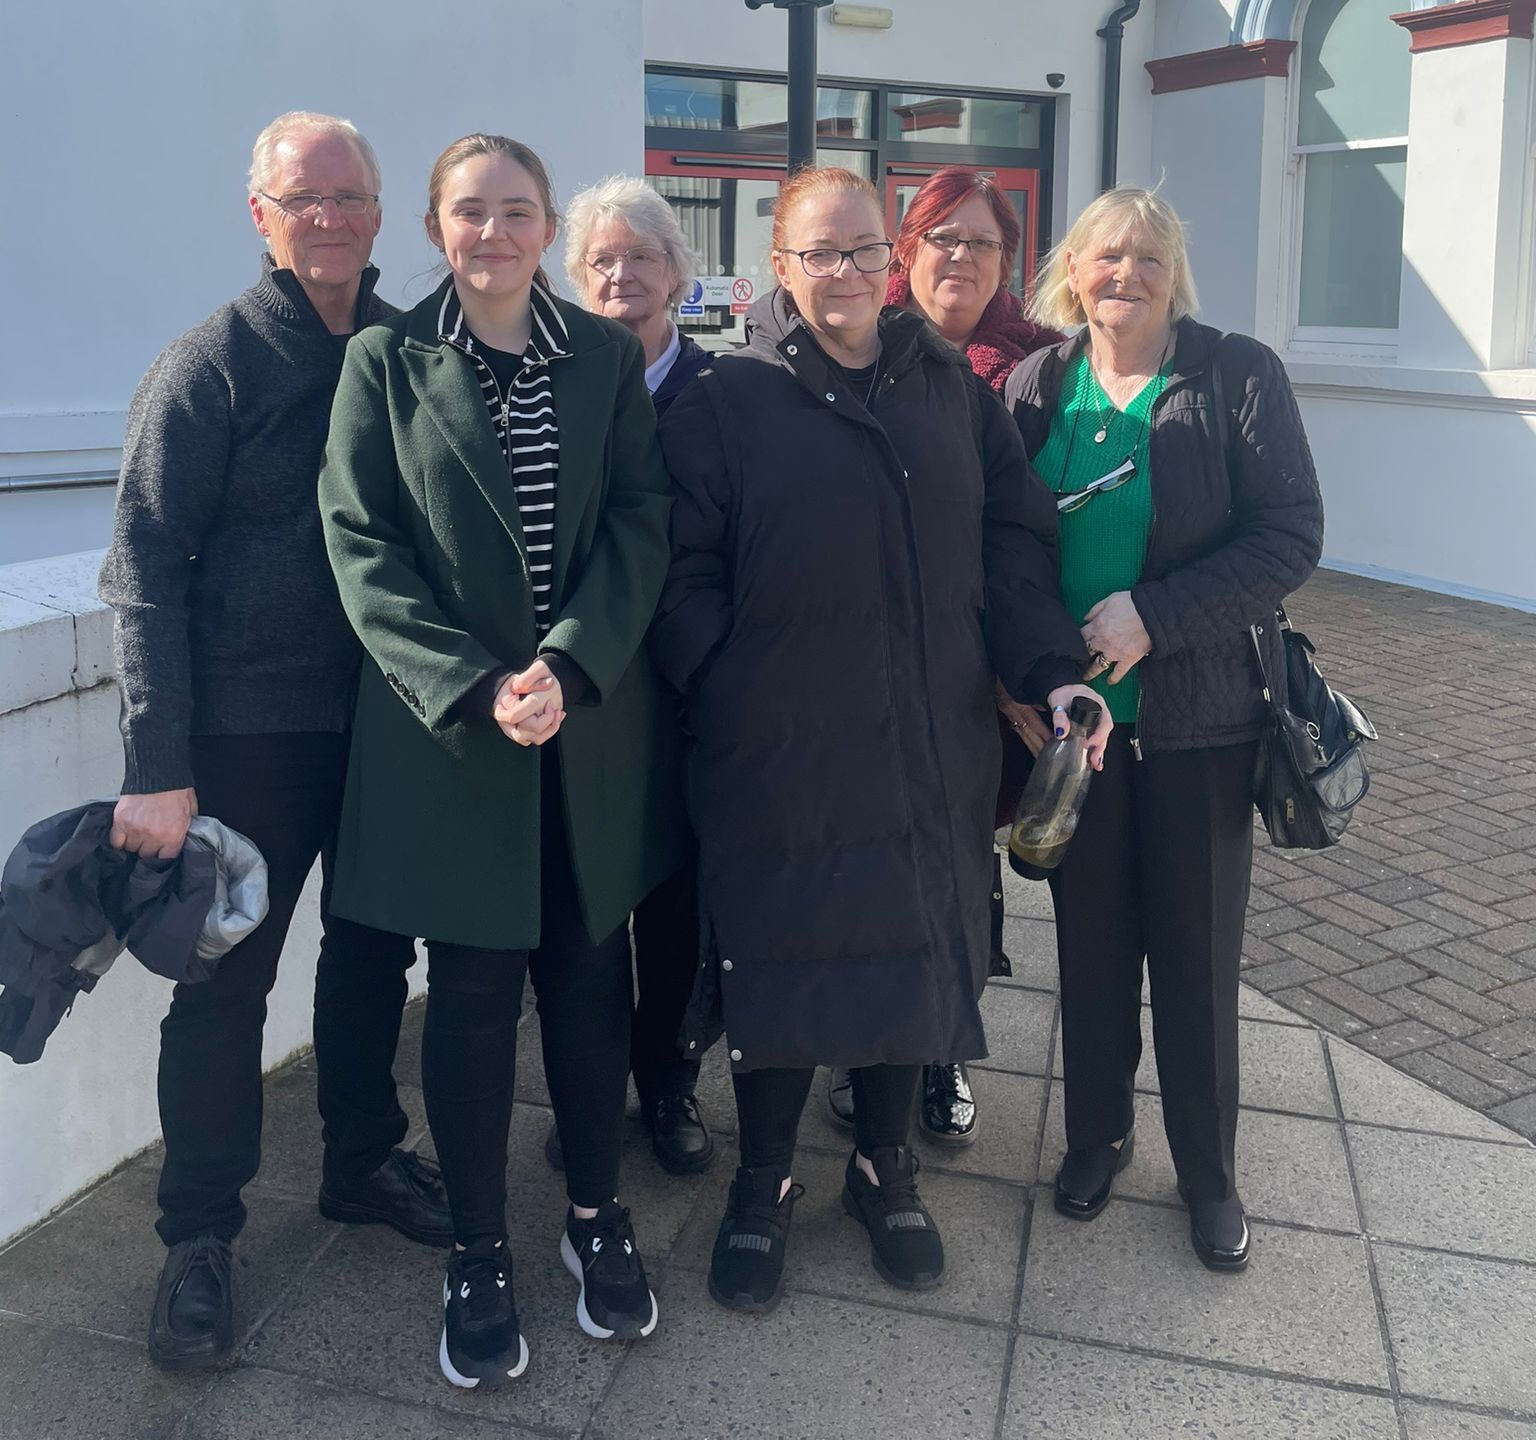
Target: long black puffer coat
(845,582)
(1237,525)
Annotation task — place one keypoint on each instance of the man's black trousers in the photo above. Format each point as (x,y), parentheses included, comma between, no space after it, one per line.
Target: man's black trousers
(284,793)
(1158,870)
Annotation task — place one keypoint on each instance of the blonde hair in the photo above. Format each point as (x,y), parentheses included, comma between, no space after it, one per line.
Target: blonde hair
(623,197)
(304,122)
(1115,215)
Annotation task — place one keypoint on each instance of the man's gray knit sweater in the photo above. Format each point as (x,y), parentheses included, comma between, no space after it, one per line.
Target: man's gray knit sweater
(228,621)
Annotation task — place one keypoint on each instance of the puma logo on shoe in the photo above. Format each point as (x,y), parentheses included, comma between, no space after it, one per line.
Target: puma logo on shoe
(761,1243)
(907,1220)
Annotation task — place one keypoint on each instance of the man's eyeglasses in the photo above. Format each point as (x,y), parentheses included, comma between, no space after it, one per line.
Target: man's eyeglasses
(642,257)
(868,259)
(982,247)
(1066,504)
(304,203)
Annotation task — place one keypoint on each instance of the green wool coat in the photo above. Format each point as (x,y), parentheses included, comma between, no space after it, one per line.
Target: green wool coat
(439,832)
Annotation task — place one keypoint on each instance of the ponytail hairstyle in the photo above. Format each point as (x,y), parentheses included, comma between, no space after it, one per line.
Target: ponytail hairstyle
(471,146)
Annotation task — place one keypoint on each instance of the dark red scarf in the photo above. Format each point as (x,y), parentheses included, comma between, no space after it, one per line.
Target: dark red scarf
(1003,337)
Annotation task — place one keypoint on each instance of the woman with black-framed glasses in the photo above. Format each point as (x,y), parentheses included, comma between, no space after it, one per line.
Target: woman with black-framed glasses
(1189,510)
(858,547)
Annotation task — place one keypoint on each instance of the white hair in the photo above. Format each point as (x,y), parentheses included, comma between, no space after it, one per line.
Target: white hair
(626,198)
(305,122)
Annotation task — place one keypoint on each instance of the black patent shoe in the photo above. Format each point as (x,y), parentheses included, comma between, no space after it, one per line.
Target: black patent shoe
(192,1325)
(949,1108)
(1086,1177)
(1218,1230)
(552,1151)
(679,1137)
(840,1095)
(405,1192)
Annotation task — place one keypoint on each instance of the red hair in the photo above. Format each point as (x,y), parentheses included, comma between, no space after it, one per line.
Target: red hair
(826,180)
(939,196)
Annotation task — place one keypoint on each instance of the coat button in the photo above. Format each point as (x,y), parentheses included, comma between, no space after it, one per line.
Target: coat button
(693,1044)
(791,349)
(735,1054)
(726,965)
(831,396)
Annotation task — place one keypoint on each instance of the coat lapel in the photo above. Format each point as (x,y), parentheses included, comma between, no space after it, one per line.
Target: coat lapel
(449,391)
(584,385)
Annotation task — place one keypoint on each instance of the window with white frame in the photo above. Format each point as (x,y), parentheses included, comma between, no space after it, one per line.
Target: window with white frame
(1351,162)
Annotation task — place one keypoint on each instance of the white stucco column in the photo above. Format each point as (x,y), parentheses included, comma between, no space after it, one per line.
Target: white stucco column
(1469,133)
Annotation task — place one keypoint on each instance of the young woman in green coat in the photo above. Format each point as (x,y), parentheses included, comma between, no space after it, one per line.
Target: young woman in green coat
(495,506)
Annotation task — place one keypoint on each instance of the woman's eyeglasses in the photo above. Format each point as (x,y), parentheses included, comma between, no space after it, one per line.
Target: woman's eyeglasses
(1123,475)
(982,247)
(641,257)
(868,259)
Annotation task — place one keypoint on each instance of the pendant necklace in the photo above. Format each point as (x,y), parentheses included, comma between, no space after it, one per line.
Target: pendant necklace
(1102,433)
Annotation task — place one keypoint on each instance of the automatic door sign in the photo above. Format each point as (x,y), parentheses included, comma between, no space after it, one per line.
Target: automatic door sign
(741,295)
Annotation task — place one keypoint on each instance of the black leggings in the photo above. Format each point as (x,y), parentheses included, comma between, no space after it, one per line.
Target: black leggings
(769,1102)
(469,1047)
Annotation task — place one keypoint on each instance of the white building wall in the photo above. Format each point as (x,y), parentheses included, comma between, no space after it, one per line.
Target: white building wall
(145,115)
(89,1102)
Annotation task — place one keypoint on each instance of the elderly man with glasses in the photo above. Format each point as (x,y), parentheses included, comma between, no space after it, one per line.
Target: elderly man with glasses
(236,666)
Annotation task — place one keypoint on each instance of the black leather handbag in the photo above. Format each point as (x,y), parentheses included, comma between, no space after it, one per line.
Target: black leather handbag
(1311,771)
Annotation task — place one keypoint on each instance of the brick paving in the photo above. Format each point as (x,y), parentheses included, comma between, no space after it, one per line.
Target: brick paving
(1416,938)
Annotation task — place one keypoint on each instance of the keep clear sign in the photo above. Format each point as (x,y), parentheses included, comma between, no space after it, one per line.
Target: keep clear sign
(720,292)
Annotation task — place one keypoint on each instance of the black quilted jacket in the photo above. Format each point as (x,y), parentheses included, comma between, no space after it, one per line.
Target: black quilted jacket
(1232,535)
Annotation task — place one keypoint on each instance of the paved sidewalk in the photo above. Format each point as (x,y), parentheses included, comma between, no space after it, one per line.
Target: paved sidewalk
(1392,1294)
(1417,937)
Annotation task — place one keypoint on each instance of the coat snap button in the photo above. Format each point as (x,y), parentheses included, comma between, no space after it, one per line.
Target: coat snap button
(693,1044)
(726,965)
(791,349)
(735,1054)
(831,396)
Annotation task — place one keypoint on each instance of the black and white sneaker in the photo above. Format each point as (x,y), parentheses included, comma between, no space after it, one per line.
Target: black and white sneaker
(481,1343)
(904,1243)
(615,1300)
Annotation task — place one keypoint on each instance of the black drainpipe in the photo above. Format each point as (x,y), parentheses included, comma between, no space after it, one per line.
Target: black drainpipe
(1112,34)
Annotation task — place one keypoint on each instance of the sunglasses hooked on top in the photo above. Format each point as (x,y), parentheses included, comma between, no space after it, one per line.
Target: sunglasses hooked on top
(1122,475)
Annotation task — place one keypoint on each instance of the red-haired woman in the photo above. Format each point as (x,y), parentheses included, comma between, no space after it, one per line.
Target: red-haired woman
(954,254)
(858,547)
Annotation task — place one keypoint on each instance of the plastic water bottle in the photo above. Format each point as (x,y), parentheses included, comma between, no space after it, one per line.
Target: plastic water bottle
(1053,799)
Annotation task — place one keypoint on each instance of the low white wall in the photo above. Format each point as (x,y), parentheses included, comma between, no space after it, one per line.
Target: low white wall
(90,1101)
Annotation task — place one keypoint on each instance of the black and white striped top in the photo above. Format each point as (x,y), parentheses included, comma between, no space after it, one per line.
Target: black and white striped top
(522,409)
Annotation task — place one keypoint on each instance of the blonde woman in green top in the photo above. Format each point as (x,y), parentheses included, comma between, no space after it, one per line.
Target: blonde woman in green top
(1189,510)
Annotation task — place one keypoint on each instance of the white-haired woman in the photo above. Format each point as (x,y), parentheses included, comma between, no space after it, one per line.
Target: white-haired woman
(629,261)
(1189,511)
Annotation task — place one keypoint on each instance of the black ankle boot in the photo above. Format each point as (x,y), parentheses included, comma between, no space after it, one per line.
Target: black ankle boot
(1086,1177)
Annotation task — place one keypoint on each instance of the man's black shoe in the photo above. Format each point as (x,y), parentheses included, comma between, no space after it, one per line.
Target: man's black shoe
(840,1095)
(405,1192)
(746,1269)
(679,1136)
(1218,1230)
(552,1151)
(481,1343)
(1086,1177)
(904,1243)
(192,1326)
(948,1106)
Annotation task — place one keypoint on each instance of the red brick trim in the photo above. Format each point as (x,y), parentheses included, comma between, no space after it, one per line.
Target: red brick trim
(1467,23)
(1223,65)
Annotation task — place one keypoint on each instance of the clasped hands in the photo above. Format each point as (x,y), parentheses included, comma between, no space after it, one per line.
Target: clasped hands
(529,706)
